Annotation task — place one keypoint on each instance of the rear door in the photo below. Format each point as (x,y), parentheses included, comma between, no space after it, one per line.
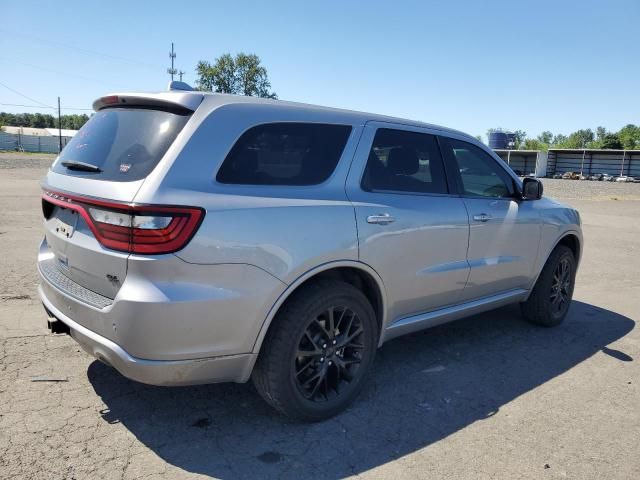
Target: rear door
(504,231)
(108,158)
(411,230)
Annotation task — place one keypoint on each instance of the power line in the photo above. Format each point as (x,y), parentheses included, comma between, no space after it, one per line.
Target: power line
(78,108)
(53,71)
(28,98)
(38,106)
(19,105)
(82,50)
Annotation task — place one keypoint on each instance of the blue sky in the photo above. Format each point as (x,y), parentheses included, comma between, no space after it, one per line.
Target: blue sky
(535,65)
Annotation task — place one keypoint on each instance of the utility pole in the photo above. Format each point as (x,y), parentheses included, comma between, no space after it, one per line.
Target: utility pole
(172,71)
(180,73)
(59,128)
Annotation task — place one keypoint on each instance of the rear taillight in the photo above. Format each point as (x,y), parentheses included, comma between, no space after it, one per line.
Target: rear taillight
(147,229)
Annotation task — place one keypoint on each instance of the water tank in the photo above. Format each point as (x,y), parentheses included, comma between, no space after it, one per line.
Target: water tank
(502,140)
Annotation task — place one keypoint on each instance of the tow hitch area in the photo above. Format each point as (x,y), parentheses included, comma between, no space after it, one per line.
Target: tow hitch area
(55,325)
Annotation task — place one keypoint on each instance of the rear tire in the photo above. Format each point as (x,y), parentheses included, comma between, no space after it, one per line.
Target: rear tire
(550,299)
(318,351)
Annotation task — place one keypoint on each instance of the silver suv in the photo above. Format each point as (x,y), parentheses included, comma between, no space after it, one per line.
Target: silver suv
(197,238)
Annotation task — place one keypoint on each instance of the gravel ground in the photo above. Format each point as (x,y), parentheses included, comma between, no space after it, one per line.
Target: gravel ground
(485,397)
(586,189)
(15,160)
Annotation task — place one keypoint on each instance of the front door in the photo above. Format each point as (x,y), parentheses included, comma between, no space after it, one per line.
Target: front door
(411,229)
(504,230)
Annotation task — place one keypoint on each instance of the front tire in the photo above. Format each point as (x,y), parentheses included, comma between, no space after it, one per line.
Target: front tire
(550,299)
(318,351)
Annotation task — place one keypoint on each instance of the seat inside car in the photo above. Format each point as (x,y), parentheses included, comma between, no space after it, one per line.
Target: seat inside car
(402,163)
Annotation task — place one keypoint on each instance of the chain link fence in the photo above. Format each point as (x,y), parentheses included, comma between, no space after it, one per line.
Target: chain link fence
(31,143)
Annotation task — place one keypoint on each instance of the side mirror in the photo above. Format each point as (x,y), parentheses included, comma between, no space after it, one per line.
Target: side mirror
(531,189)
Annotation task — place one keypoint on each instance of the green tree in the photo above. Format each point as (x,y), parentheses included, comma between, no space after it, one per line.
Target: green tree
(534,144)
(39,121)
(220,77)
(545,137)
(242,75)
(520,135)
(580,138)
(560,141)
(611,140)
(42,120)
(629,135)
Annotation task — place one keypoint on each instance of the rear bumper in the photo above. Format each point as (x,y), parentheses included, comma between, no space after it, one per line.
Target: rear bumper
(230,368)
(171,322)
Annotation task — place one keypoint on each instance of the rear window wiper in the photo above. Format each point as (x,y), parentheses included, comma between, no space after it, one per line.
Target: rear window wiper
(85,167)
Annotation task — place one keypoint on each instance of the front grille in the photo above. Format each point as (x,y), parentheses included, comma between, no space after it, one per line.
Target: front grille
(51,271)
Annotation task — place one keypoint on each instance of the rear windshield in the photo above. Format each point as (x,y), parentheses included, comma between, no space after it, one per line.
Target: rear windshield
(124,143)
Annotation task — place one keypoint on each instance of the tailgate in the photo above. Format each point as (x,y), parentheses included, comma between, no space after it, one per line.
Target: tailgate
(105,163)
(78,255)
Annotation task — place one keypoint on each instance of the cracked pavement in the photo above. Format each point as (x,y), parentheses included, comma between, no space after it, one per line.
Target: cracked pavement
(485,397)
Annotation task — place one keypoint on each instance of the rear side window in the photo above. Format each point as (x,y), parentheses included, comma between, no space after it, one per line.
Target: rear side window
(285,154)
(124,144)
(402,161)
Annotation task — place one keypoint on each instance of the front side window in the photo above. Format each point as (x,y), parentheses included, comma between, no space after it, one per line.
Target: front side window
(285,154)
(403,161)
(480,173)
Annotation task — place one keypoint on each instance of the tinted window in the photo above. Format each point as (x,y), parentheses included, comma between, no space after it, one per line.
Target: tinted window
(285,154)
(480,173)
(402,161)
(125,143)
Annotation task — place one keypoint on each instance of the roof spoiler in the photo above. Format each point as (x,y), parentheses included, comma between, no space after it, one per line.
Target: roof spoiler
(175,99)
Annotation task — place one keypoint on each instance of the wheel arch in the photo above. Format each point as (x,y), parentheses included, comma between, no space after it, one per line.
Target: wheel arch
(573,240)
(359,274)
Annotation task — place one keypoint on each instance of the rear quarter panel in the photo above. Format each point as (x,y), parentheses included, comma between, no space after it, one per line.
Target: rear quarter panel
(284,230)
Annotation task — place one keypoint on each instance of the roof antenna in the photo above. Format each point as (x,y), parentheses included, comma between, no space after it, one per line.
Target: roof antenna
(178,85)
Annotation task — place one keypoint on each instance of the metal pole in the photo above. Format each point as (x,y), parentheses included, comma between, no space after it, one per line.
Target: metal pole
(173,56)
(59,128)
(508,157)
(584,152)
(622,166)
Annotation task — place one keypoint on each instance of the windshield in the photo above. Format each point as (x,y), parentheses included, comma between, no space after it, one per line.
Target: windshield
(125,144)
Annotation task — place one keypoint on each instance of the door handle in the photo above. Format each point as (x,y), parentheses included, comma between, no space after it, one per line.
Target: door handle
(483,217)
(382,219)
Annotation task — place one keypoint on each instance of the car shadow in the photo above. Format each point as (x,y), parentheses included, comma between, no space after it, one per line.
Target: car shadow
(424,387)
